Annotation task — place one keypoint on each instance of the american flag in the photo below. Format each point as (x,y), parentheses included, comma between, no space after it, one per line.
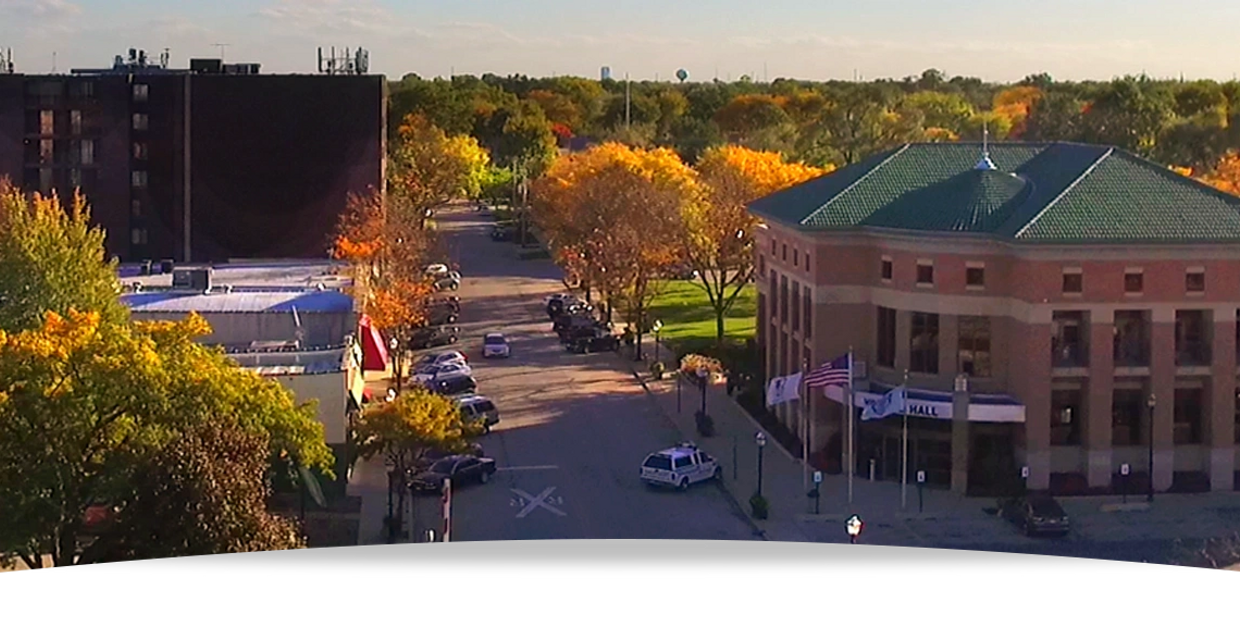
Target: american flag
(834,372)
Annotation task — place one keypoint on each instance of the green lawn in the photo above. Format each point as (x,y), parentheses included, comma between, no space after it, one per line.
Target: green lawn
(689,320)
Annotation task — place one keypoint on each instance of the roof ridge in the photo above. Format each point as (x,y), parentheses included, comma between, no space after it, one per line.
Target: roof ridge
(863,177)
(1065,191)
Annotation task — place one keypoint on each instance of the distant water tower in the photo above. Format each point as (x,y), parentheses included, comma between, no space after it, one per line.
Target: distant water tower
(605,74)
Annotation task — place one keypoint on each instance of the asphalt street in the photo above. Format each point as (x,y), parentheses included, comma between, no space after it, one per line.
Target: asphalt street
(574,429)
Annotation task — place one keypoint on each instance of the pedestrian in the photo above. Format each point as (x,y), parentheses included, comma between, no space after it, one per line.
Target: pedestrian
(853,527)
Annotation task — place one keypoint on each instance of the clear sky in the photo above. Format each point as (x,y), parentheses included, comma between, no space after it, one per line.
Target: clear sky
(1000,40)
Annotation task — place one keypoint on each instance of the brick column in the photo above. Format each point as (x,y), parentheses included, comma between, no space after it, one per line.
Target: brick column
(1035,375)
(1101,391)
(1220,427)
(949,343)
(1162,378)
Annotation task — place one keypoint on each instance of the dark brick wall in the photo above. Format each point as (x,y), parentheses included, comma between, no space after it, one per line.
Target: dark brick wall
(275,157)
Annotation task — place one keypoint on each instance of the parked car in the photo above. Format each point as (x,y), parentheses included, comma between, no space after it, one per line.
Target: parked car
(448,301)
(593,344)
(437,269)
(1036,514)
(495,345)
(556,303)
(502,233)
(476,407)
(568,322)
(438,336)
(460,469)
(448,283)
(429,457)
(439,372)
(454,385)
(442,357)
(441,315)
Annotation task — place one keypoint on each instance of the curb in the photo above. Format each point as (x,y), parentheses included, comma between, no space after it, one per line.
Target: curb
(753,523)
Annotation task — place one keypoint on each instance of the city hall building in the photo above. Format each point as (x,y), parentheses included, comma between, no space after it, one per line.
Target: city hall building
(1058,307)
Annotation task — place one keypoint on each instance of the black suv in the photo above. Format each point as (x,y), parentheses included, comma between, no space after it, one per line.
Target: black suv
(599,340)
(438,336)
(1035,513)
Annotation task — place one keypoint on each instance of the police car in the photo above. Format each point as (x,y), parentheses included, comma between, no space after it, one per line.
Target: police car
(680,466)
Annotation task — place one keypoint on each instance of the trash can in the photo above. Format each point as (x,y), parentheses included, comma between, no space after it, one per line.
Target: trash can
(165,266)
(145,268)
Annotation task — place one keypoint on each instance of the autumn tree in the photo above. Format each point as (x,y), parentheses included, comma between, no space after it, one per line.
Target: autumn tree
(1225,176)
(86,404)
(427,167)
(53,260)
(751,118)
(718,231)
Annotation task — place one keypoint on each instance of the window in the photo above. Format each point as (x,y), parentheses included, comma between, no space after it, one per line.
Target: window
(924,343)
(886,337)
(75,177)
(975,277)
(1131,339)
(760,332)
(138,236)
(1134,282)
(1127,416)
(1073,283)
(75,121)
(807,255)
(974,352)
(1195,282)
(887,269)
(46,152)
(45,180)
(88,152)
(135,208)
(1066,414)
(82,89)
(796,258)
(774,280)
(773,244)
(139,150)
(1189,403)
(783,300)
(139,178)
(47,122)
(796,306)
(1192,344)
(141,92)
(807,300)
(1069,341)
(925,274)
(140,121)
(761,262)
(784,251)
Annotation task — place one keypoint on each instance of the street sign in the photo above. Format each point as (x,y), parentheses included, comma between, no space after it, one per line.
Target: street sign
(1024,472)
(1123,469)
(921,475)
(817,477)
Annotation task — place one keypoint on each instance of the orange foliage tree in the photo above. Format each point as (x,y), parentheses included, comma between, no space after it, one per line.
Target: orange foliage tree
(717,232)
(1226,174)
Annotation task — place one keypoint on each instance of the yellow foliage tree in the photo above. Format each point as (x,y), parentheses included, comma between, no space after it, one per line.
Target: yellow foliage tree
(718,231)
(1226,174)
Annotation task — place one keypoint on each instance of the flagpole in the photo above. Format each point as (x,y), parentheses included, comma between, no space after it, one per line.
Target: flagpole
(904,458)
(848,411)
(804,427)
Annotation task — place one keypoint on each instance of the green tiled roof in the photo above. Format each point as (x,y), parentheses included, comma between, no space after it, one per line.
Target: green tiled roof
(1043,192)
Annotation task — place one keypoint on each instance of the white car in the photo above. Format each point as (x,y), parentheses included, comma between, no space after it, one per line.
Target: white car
(495,345)
(437,269)
(680,466)
(442,357)
(426,374)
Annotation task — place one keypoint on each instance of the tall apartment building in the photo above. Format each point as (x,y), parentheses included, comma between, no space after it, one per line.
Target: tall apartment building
(1089,299)
(208,163)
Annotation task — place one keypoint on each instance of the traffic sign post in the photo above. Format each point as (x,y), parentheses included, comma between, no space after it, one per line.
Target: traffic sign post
(447,510)
(1123,473)
(1024,478)
(921,483)
(853,527)
(816,493)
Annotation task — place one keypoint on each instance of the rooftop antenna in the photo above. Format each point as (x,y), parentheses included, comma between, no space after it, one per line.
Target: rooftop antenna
(53,62)
(984,163)
(221,46)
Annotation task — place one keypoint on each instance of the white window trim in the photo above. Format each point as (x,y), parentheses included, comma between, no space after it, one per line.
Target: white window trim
(1131,270)
(1198,269)
(1073,271)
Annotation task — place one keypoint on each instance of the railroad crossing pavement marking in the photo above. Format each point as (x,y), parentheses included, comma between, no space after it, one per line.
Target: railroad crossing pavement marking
(527,468)
(529,502)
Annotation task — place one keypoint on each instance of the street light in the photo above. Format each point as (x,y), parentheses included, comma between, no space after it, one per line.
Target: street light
(1150,404)
(658,325)
(395,360)
(760,439)
(702,373)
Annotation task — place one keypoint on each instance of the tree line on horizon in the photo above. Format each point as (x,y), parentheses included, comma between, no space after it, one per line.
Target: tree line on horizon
(1190,126)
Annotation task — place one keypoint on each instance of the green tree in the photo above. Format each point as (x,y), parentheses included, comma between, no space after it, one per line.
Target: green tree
(942,110)
(53,260)
(1129,113)
(86,404)
(1055,116)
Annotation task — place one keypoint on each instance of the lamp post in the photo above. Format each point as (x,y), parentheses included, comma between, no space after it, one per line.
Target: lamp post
(702,373)
(760,439)
(1150,404)
(395,361)
(658,325)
